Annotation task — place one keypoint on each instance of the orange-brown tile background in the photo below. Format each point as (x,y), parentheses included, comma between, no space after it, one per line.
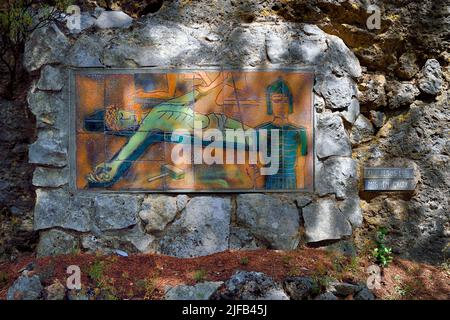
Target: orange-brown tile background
(241,96)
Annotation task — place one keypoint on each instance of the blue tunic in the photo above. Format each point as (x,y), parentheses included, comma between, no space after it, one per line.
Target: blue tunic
(291,138)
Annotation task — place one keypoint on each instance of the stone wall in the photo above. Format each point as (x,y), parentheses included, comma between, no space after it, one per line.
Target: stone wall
(16,191)
(404,121)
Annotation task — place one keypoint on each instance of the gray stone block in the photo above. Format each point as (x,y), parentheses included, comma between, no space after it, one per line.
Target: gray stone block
(324,221)
(203,228)
(331,139)
(200,291)
(56,242)
(270,219)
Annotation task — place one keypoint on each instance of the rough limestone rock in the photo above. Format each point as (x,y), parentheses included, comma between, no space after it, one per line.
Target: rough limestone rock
(200,291)
(324,221)
(202,229)
(362,130)
(182,201)
(56,242)
(338,92)
(401,94)
(308,50)
(364,294)
(371,91)
(50,177)
(351,209)
(87,21)
(113,19)
(408,67)
(57,208)
(51,79)
(339,54)
(300,288)
(25,288)
(319,103)
(336,175)
(303,200)
(51,111)
(352,112)
(48,150)
(246,46)
(244,285)
(256,212)
(116,211)
(170,45)
(86,52)
(342,289)
(327,53)
(46,45)
(242,239)
(157,211)
(378,118)
(430,81)
(130,240)
(55,291)
(331,139)
(277,48)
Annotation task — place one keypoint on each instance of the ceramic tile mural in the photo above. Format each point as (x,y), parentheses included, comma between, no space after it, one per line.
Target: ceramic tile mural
(194,130)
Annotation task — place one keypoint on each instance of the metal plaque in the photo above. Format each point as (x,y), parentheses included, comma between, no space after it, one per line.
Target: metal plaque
(389,184)
(404,173)
(389,179)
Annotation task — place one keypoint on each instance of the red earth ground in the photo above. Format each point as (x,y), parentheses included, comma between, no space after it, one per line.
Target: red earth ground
(145,276)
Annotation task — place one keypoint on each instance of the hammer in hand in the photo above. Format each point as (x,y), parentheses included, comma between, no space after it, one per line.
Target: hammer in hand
(169,170)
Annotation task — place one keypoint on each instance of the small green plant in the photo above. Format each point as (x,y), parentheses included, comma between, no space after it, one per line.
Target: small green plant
(96,271)
(244,261)
(199,275)
(105,286)
(382,253)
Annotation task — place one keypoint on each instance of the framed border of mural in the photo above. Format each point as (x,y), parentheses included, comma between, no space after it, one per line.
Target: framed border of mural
(205,129)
